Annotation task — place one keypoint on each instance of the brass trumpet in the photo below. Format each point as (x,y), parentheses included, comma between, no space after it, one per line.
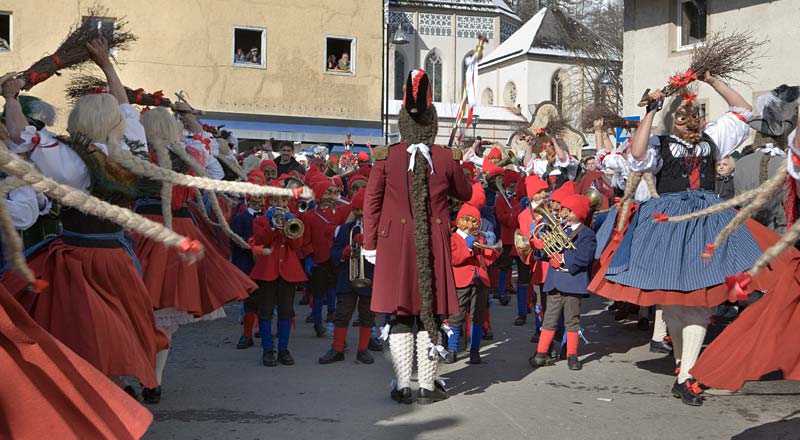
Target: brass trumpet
(358,276)
(302,206)
(293,228)
(510,160)
(495,184)
(497,247)
(555,239)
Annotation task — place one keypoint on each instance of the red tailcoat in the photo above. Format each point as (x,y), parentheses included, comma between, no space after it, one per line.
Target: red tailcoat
(283,260)
(538,267)
(466,263)
(320,226)
(389,228)
(507,217)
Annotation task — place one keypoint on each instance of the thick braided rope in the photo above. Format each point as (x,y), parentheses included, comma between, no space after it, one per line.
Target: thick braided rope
(144,168)
(14,166)
(226,228)
(201,206)
(162,154)
(10,184)
(775,182)
(788,239)
(13,243)
(630,190)
(650,180)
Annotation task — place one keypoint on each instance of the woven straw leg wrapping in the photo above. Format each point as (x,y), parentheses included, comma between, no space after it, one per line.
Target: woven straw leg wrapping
(426,367)
(402,348)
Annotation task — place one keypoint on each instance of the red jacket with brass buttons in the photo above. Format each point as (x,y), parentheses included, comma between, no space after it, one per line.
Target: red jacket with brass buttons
(283,261)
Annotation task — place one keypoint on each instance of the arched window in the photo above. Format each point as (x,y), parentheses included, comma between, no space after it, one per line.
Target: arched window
(557,91)
(487,98)
(510,94)
(433,66)
(399,74)
(464,66)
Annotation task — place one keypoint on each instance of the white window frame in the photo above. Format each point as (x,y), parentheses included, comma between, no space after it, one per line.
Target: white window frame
(353,55)
(113,50)
(10,31)
(263,49)
(679,46)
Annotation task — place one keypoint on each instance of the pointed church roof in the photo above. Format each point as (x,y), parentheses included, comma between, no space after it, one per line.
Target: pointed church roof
(549,32)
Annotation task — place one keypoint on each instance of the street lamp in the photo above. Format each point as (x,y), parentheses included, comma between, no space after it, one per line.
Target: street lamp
(609,78)
(399,40)
(474,125)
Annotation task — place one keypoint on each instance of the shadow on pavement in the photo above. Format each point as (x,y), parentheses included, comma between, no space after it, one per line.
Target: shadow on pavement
(779,430)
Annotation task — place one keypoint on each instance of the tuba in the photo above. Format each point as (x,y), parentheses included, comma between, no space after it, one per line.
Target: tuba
(293,228)
(555,239)
(523,245)
(358,276)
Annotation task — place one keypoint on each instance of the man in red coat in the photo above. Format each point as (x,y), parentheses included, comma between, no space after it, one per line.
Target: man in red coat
(407,236)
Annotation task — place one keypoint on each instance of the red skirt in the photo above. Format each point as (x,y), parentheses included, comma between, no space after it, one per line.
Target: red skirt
(47,391)
(765,338)
(197,289)
(708,297)
(97,305)
(215,237)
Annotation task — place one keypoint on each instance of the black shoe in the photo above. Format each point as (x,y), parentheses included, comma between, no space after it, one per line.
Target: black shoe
(329,318)
(474,357)
(520,320)
(285,358)
(488,335)
(403,395)
(244,342)
(309,319)
(426,397)
(375,345)
(574,363)
(331,356)
(685,392)
(131,392)
(257,334)
(541,360)
(320,330)
(151,395)
(303,300)
(504,300)
(643,324)
(268,358)
(451,357)
(365,357)
(660,347)
(356,323)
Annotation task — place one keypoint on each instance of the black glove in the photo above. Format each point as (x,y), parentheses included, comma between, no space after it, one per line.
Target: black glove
(655,105)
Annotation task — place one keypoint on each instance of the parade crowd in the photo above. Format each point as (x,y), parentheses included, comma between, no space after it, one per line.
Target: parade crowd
(138,221)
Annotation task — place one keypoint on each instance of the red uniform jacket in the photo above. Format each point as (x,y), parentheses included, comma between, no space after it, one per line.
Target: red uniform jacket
(467,263)
(538,267)
(596,179)
(507,217)
(389,228)
(320,227)
(283,261)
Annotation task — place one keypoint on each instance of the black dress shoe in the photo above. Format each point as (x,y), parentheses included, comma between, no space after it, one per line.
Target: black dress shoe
(244,342)
(474,357)
(520,321)
(487,335)
(285,358)
(504,300)
(320,330)
(643,324)
(574,363)
(151,395)
(402,395)
(331,356)
(426,397)
(660,347)
(375,345)
(451,357)
(303,300)
(541,360)
(309,319)
(268,358)
(131,392)
(365,357)
(687,393)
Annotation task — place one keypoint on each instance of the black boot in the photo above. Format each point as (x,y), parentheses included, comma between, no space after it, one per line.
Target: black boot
(504,300)
(268,358)
(365,357)
(320,330)
(660,347)
(451,357)
(244,342)
(426,397)
(474,357)
(574,363)
(151,395)
(403,395)
(131,392)
(331,356)
(520,321)
(285,358)
(687,393)
(541,360)
(375,345)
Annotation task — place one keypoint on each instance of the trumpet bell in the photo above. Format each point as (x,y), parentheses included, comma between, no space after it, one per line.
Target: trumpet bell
(595,197)
(294,229)
(361,283)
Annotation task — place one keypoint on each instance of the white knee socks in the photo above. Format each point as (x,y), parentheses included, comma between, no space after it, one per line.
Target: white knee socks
(402,347)
(659,326)
(693,336)
(426,367)
(161,362)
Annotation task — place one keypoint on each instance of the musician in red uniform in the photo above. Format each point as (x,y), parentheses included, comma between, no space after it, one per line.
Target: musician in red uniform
(537,192)
(406,216)
(507,210)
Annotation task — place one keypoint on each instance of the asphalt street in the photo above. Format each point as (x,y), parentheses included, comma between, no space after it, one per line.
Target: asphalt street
(213,391)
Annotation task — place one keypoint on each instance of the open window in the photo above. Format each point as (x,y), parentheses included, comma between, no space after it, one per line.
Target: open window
(5,31)
(249,47)
(340,55)
(692,21)
(103,24)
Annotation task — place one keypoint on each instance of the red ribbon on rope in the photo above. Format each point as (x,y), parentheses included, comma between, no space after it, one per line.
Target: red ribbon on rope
(189,246)
(157,98)
(138,99)
(35,77)
(660,217)
(56,60)
(737,285)
(706,255)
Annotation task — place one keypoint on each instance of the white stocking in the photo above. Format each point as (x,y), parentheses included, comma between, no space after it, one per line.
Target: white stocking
(659,326)
(402,347)
(693,336)
(426,367)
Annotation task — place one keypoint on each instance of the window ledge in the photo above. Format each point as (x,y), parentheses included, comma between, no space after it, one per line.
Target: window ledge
(250,65)
(339,73)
